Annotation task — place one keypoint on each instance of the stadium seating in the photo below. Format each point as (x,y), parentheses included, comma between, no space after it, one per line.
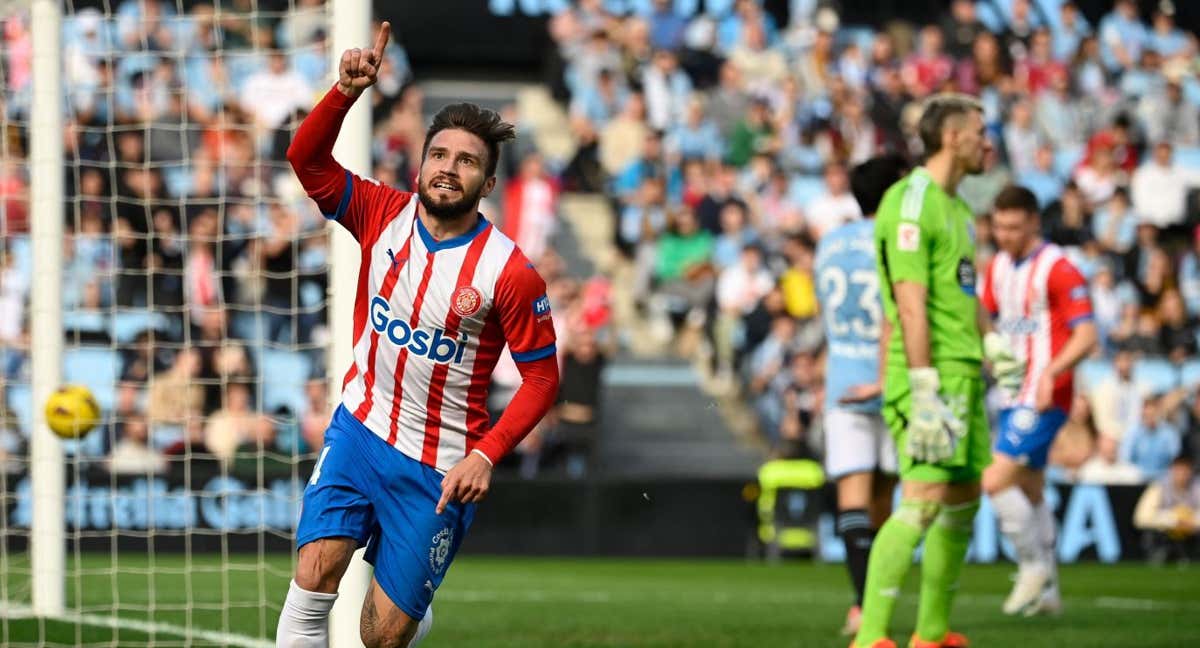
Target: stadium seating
(284,374)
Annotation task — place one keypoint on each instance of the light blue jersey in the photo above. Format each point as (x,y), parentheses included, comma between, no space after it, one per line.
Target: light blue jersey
(848,289)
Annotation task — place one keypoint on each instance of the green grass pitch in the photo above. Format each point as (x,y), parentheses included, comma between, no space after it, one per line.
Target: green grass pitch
(502,602)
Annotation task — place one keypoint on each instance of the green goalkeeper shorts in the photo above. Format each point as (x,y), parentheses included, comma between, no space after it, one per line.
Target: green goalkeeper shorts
(973,452)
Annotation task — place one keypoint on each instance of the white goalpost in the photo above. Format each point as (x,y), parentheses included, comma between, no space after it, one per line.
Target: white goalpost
(46,542)
(351,28)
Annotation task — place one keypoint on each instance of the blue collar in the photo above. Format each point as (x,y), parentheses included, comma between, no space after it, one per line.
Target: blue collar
(1017,262)
(434,245)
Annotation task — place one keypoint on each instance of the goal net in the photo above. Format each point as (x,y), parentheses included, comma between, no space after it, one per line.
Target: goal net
(194,289)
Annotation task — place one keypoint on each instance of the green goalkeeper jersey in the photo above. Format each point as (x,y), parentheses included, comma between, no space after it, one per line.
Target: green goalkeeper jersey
(924,235)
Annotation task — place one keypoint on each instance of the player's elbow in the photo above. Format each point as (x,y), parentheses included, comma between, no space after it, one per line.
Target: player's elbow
(294,156)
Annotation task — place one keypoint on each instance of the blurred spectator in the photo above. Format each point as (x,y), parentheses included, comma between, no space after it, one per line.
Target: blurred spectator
(797,284)
(132,454)
(1041,178)
(666,26)
(760,66)
(1122,35)
(1066,220)
(1165,38)
(929,67)
(1060,115)
(960,27)
(1148,265)
(235,423)
(1115,225)
(1116,404)
(1178,330)
(667,89)
(624,136)
(531,207)
(683,270)
(834,206)
(1169,116)
(14,287)
(1168,513)
(271,94)
(739,289)
(1099,176)
(1152,443)
(1021,138)
(1189,276)
(174,398)
(578,411)
(755,133)
(1160,187)
(1071,29)
(695,136)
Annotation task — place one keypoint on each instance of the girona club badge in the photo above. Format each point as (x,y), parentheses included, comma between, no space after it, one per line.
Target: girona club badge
(467,301)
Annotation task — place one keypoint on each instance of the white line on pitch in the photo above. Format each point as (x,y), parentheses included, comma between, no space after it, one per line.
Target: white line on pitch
(14,611)
(801,596)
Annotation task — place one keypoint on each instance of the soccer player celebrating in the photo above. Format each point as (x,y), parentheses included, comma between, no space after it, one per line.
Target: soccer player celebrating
(859,453)
(1040,306)
(440,293)
(933,400)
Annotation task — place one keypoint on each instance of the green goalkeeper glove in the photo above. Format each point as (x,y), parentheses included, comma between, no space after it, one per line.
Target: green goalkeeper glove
(933,427)
(1007,368)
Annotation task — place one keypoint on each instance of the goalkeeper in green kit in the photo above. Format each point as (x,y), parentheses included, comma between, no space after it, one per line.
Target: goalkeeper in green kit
(933,395)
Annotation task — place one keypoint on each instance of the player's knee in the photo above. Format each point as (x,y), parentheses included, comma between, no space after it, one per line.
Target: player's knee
(917,513)
(318,569)
(959,518)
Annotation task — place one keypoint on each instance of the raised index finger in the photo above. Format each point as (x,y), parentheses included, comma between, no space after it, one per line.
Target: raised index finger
(381,41)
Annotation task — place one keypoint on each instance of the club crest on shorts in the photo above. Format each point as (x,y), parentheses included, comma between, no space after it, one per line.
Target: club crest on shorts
(439,550)
(1023,419)
(467,301)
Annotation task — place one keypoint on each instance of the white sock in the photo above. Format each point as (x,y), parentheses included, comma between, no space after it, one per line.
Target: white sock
(304,620)
(1018,524)
(1047,539)
(423,627)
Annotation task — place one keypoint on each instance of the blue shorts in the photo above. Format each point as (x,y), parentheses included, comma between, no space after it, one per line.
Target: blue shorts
(362,488)
(1026,434)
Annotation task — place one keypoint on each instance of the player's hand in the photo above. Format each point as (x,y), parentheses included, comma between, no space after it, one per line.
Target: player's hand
(933,427)
(360,67)
(467,482)
(1045,393)
(860,394)
(1007,368)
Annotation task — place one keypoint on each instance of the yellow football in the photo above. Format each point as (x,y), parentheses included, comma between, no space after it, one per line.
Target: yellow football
(72,411)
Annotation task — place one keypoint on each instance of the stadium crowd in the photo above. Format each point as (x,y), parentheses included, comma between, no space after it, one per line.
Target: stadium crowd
(195,274)
(724,143)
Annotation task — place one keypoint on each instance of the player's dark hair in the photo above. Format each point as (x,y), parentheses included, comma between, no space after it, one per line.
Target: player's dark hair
(937,111)
(1016,197)
(480,122)
(871,179)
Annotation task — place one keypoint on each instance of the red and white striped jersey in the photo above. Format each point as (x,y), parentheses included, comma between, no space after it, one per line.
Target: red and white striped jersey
(1036,301)
(430,321)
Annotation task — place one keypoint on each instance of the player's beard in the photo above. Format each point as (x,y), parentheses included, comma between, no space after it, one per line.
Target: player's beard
(448,209)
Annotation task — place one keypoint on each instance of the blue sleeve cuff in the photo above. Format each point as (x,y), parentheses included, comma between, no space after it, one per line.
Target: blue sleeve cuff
(1079,320)
(345,202)
(536,354)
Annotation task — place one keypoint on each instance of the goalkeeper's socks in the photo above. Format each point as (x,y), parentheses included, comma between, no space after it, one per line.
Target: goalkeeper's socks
(1019,524)
(891,557)
(304,620)
(855,528)
(423,627)
(941,563)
